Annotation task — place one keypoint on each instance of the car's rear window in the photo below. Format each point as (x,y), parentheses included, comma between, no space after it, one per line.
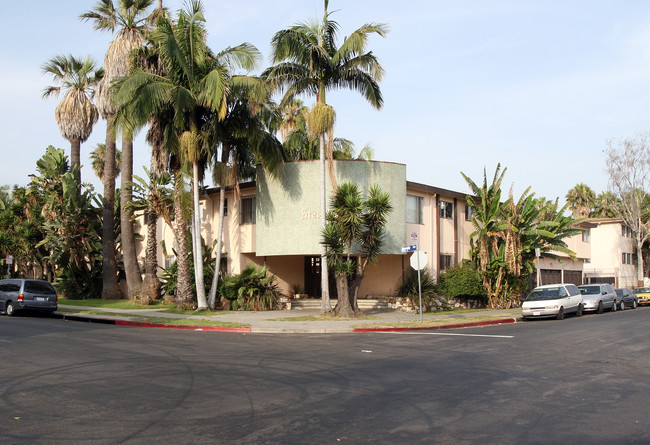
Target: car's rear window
(590,289)
(39,287)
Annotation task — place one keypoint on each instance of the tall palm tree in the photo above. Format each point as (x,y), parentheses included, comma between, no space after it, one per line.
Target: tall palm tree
(246,138)
(130,17)
(194,86)
(76,114)
(309,61)
(581,200)
(98,159)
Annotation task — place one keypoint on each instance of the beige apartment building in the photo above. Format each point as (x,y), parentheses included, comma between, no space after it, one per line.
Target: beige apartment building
(276,222)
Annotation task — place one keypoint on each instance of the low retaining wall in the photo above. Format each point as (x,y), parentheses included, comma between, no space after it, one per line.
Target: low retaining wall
(407,304)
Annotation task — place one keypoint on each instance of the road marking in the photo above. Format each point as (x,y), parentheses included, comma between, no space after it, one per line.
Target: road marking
(449,334)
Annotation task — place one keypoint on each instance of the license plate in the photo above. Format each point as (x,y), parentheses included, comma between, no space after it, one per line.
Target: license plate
(41,298)
(536,313)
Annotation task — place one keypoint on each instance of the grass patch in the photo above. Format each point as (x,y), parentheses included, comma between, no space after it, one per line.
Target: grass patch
(158,320)
(324,317)
(114,304)
(207,312)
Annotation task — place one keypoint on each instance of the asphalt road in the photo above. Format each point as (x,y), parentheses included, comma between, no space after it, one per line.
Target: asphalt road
(579,380)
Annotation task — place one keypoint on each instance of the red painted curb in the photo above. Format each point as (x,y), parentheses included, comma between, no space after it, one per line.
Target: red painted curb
(436,328)
(183,327)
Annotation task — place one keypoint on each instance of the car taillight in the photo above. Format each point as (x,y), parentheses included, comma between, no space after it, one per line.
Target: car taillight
(20,297)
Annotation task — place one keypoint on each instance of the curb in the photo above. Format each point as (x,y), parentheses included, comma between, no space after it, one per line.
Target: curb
(118,322)
(143,324)
(439,327)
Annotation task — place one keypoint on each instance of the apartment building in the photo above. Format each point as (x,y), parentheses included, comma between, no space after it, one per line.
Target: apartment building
(276,222)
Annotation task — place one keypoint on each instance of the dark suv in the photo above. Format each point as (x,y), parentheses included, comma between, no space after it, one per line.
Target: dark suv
(21,293)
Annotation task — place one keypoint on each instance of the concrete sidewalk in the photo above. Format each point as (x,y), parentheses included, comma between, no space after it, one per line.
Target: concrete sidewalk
(285,321)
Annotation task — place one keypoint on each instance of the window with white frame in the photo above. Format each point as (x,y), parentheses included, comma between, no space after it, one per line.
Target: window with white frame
(446,209)
(414,209)
(248,210)
(627,258)
(585,235)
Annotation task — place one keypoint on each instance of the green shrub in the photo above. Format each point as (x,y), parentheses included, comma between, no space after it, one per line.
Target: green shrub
(462,282)
(408,287)
(251,290)
(169,276)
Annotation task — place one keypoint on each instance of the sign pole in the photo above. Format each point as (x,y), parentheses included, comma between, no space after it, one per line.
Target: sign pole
(419,282)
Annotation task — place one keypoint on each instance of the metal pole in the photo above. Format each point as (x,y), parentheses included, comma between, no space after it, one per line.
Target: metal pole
(417,252)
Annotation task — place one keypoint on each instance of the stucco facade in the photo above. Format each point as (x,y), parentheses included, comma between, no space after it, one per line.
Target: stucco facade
(284,233)
(276,222)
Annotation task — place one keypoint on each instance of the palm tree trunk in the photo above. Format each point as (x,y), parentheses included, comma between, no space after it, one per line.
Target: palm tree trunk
(198,249)
(131,267)
(75,156)
(184,293)
(325,293)
(110,287)
(217,264)
(151,283)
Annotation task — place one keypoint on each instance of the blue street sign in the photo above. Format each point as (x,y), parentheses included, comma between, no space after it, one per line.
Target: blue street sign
(411,248)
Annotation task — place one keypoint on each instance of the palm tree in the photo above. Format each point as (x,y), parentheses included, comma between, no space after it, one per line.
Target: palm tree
(76,114)
(581,200)
(98,159)
(246,139)
(309,61)
(130,16)
(194,86)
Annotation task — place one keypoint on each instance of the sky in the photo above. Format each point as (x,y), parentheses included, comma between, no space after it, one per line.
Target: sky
(539,86)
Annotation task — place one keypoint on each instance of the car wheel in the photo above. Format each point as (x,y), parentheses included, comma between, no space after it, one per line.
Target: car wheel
(579,311)
(560,314)
(622,306)
(634,304)
(9,309)
(613,308)
(600,308)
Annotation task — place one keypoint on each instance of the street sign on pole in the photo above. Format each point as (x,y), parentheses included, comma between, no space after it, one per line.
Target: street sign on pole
(411,248)
(414,237)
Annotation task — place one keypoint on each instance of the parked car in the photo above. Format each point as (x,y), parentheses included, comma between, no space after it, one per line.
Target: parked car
(625,298)
(642,295)
(552,300)
(25,294)
(597,297)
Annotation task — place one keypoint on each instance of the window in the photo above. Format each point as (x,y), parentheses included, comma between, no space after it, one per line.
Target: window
(627,258)
(445,262)
(469,212)
(248,210)
(446,209)
(585,236)
(414,209)
(627,232)
(225,207)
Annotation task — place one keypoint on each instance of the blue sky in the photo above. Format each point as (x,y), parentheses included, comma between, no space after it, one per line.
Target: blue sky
(537,85)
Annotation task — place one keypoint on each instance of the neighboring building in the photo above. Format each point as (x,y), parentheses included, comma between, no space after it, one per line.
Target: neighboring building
(604,254)
(612,253)
(561,268)
(276,222)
